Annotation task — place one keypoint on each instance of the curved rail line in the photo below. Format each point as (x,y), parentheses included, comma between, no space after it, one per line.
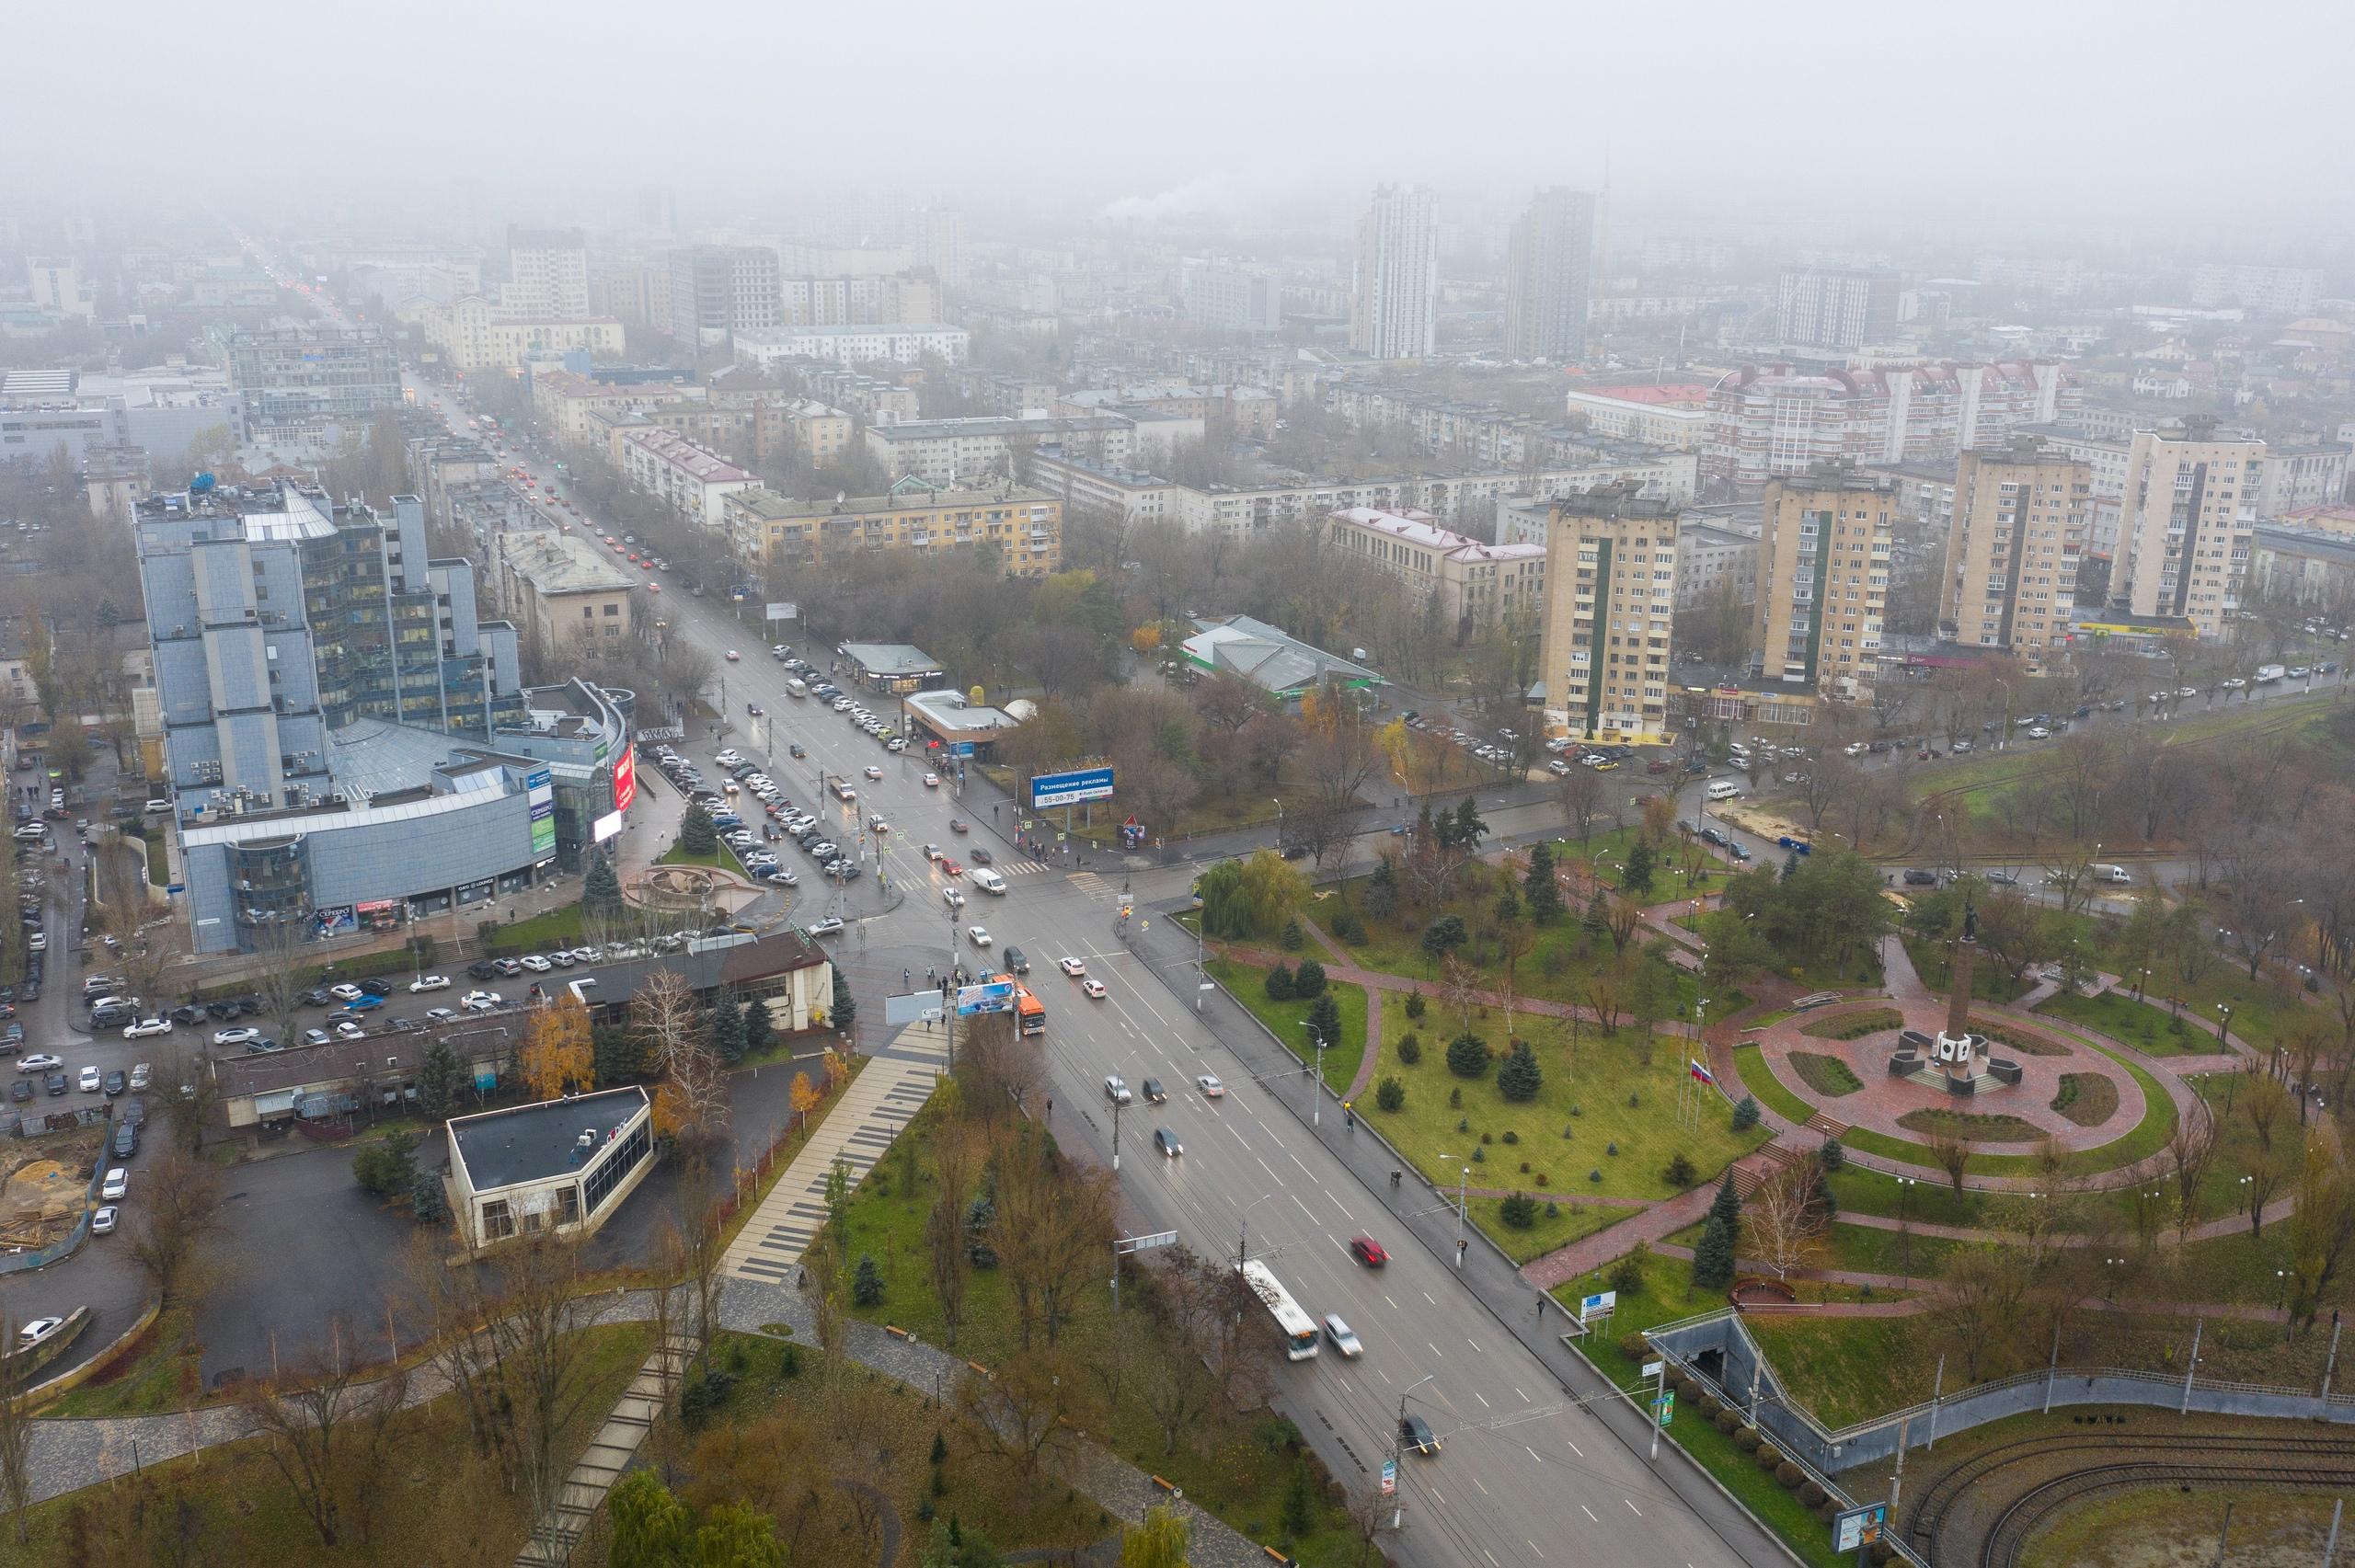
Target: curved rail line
(2020,1521)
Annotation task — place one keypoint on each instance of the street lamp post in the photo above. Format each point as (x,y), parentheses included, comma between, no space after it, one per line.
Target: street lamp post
(1904,1230)
(1315,1099)
(1462,1183)
(2224,1020)
(1399,1508)
(1242,1236)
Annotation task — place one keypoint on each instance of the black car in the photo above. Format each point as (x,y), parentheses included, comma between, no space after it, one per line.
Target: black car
(1414,1433)
(375,986)
(134,1111)
(221,1011)
(1917,878)
(315,997)
(116,1083)
(185,1013)
(482,970)
(56,1083)
(980,856)
(29,991)
(21,1089)
(1017,962)
(126,1140)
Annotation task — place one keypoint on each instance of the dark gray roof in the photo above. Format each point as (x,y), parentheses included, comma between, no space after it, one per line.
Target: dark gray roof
(530,1143)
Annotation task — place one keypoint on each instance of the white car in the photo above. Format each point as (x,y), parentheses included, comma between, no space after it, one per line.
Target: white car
(534,963)
(346,993)
(117,1186)
(1072,966)
(831,926)
(1116,1088)
(729,758)
(430,982)
(480,1000)
(873,772)
(952,897)
(33,1332)
(932,780)
(350,1030)
(145,1027)
(102,1223)
(90,1080)
(237,1036)
(1210,1087)
(2038,732)
(1092,987)
(1340,1336)
(141,1076)
(733,656)
(978,935)
(785,874)
(40,1061)
(440,1014)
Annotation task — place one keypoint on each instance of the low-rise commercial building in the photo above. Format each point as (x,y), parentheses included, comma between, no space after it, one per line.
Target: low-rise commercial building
(472,334)
(1270,658)
(1675,415)
(1025,526)
(693,480)
(948,724)
(944,450)
(893,669)
(559,1167)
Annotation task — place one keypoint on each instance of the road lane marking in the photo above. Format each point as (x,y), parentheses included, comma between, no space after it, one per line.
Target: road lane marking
(1303,1208)
(1393,1306)
(1531,1545)
(1484,1491)
(1434,1349)
(1531,1452)
(1574,1448)
(1472,1343)
(1427,1296)
(1631,1504)
(1482,1398)
(1588,1511)
(1524,1398)
(1273,1178)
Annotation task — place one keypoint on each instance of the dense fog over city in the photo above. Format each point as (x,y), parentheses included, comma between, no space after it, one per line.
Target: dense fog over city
(1362,785)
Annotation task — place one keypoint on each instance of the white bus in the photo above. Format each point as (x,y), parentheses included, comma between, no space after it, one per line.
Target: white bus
(1298,1329)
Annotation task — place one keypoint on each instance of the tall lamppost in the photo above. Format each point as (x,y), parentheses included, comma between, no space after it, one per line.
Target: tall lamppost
(1462,1183)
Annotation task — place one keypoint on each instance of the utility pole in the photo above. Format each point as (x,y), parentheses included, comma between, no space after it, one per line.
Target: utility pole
(1463,1180)
(1397,1435)
(1118,1106)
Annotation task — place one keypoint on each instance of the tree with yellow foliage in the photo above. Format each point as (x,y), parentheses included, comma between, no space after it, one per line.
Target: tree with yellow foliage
(558,1054)
(806,1097)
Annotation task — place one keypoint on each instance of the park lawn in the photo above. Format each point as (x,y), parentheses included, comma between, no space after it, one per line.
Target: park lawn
(1287,1020)
(555,928)
(2262,1012)
(1988,980)
(1665,1295)
(679,855)
(230,1504)
(1580,1112)
(1847,1369)
(1926,1201)
(158,1372)
(1551,1233)
(1860,1249)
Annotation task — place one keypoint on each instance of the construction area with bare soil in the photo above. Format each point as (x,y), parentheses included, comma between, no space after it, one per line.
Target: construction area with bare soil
(47,1186)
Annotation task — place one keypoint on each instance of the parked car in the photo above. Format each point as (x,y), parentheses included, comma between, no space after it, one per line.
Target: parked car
(117,1185)
(430,982)
(102,1221)
(480,1000)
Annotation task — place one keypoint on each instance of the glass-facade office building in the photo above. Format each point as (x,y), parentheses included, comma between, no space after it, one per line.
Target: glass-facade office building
(348,745)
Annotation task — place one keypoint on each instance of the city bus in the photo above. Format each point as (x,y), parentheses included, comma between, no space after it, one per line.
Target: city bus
(1029,1012)
(1296,1327)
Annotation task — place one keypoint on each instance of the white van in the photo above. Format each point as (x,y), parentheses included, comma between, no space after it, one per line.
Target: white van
(1724,789)
(2117,874)
(988,881)
(797,687)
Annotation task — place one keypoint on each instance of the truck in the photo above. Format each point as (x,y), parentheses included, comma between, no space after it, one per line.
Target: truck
(2269,674)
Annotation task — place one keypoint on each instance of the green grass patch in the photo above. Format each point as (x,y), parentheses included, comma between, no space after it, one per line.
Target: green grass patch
(2014,1038)
(1847,1369)
(157,1372)
(1665,1295)
(1853,1025)
(1764,1019)
(555,928)
(1989,983)
(1567,1223)
(1585,1095)
(2148,1028)
(1825,1075)
(1973,1127)
(1286,1019)
(679,855)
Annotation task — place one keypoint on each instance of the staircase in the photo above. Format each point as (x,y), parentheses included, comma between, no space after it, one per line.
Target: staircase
(1830,1126)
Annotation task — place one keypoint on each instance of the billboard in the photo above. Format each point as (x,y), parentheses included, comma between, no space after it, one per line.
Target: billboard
(788,610)
(334,920)
(625,779)
(995,996)
(1071,788)
(606,827)
(542,828)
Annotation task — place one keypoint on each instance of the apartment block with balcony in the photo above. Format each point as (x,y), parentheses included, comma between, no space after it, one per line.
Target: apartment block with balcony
(1825,542)
(1605,658)
(1471,583)
(790,537)
(2017,539)
(2186,523)
(693,480)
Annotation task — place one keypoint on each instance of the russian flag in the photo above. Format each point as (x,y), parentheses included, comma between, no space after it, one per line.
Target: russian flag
(1700,1072)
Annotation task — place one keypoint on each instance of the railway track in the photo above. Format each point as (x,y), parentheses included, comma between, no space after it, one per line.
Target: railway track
(2018,1523)
(1930,1517)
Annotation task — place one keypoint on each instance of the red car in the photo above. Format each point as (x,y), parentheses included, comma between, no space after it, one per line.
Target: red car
(951,867)
(1368,1251)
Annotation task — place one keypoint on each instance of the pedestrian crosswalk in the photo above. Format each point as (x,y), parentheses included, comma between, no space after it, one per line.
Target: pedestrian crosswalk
(1093,886)
(1018,867)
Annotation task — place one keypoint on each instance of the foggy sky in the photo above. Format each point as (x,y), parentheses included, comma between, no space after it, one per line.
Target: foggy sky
(2042,110)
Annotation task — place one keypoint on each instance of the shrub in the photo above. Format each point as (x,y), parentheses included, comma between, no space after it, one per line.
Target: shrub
(1463,1124)
(1520,1211)
(1594,1175)
(1308,980)
(1525,1167)
(1680,1173)
(1411,1048)
(1390,1094)
(1456,1100)
(1745,1113)
(1512,1137)
(1469,1056)
(1627,1277)
(1611,1149)
(1768,1456)
(702,1393)
(1634,1347)
(867,1282)
(1747,1440)
(1348,927)
(1812,1495)
(1724,1421)
(1552,1209)
(1575,1110)
(1279,984)
(1634,1099)
(1789,1475)
(1487,1138)
(1415,1004)
(1479,1155)
(1292,936)
(387,1166)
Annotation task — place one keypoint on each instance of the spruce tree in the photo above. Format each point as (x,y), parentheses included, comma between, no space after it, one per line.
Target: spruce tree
(1308,979)
(1598,915)
(1520,1077)
(1727,1204)
(1324,1019)
(1278,983)
(846,1012)
(867,1282)
(728,1030)
(758,1030)
(601,893)
(439,1078)
(1713,1257)
(1467,1056)
(1637,878)
(1540,894)
(1381,895)
(697,835)
(426,1197)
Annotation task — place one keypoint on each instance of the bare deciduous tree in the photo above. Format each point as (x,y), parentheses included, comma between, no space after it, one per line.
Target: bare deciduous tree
(2188,1155)
(172,1232)
(302,1417)
(1782,1227)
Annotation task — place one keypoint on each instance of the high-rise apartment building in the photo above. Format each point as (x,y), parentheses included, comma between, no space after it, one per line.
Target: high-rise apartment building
(1546,276)
(1394,307)
(547,274)
(1604,655)
(1836,307)
(1769,420)
(1230,296)
(295,381)
(2265,291)
(940,244)
(2017,538)
(1823,561)
(2185,523)
(717,290)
